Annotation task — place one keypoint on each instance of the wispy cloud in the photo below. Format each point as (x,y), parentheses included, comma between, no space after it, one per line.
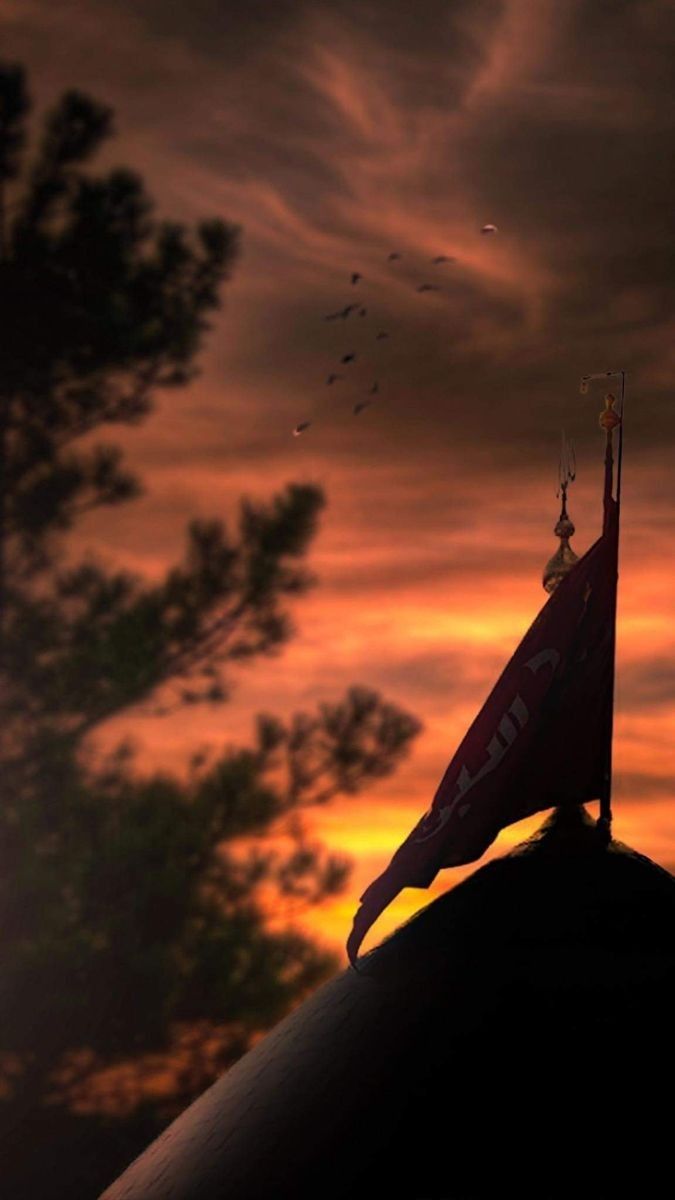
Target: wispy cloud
(335,134)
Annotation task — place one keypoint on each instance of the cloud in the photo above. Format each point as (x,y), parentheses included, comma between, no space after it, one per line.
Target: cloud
(643,787)
(335,134)
(648,684)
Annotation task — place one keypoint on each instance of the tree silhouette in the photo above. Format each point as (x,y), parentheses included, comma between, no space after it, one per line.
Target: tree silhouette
(134,906)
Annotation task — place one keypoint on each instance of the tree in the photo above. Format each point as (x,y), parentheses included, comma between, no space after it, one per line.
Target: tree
(133,906)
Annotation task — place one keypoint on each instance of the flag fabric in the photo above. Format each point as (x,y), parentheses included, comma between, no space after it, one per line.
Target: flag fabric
(541,739)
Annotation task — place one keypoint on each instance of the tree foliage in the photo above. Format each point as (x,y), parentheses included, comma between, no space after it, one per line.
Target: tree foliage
(135,906)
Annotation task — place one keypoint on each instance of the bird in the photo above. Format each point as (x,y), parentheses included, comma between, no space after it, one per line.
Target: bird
(393,256)
(356,277)
(301,428)
(382,334)
(375,388)
(363,312)
(332,377)
(442,258)
(342,313)
(361,405)
(488,229)
(347,358)
(428,287)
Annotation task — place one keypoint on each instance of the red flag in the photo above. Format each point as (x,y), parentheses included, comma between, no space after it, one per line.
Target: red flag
(541,739)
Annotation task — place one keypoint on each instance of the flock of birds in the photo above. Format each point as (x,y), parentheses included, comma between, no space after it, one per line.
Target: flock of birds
(343,314)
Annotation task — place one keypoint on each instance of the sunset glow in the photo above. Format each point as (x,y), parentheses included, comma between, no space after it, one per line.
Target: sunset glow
(333,137)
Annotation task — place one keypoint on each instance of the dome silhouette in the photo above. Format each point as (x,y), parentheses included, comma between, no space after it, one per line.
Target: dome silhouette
(513,1038)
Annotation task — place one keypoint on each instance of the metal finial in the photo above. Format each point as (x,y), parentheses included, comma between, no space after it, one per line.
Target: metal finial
(564,558)
(609,419)
(586,379)
(567,464)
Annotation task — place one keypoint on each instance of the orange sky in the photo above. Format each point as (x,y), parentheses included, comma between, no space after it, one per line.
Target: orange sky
(334,134)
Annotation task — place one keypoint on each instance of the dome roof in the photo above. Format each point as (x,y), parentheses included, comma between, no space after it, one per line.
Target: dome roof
(514,1036)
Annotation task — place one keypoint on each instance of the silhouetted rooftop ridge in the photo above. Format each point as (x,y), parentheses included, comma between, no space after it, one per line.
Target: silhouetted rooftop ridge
(467,1058)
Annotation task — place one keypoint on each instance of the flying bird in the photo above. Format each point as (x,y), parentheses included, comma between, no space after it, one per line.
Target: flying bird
(347,358)
(301,428)
(428,287)
(356,277)
(358,408)
(393,256)
(442,258)
(489,229)
(375,388)
(382,334)
(332,377)
(342,313)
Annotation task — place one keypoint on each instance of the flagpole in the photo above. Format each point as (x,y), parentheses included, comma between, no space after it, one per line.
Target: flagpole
(609,420)
(620,449)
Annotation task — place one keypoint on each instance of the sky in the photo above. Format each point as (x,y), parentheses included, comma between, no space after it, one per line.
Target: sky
(334,134)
